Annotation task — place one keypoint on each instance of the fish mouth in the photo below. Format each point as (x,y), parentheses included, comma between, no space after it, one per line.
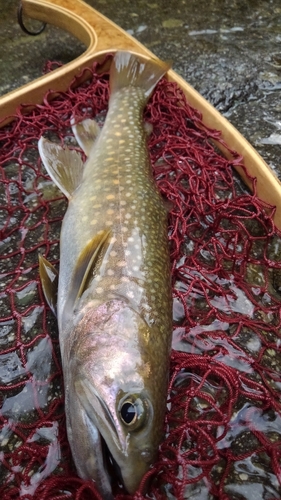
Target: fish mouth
(103,422)
(111,466)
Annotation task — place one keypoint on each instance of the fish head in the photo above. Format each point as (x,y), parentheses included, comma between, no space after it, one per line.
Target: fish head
(116,406)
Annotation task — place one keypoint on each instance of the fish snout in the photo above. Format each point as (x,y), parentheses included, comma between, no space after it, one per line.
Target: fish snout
(133,473)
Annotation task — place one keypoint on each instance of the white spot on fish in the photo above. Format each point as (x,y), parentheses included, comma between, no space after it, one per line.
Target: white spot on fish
(121,263)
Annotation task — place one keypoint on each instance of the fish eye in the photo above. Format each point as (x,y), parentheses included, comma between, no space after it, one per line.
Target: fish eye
(128,413)
(132,411)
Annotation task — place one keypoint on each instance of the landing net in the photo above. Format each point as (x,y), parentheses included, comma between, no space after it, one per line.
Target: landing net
(223,425)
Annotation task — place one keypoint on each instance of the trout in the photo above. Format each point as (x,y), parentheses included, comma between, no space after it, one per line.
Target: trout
(113,301)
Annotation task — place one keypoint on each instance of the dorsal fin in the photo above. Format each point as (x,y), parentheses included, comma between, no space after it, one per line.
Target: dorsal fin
(86,133)
(49,280)
(63,165)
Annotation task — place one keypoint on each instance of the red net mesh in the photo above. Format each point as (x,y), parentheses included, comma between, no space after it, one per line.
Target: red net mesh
(223,421)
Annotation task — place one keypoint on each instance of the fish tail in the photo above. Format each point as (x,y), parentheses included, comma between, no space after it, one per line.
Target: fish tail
(129,69)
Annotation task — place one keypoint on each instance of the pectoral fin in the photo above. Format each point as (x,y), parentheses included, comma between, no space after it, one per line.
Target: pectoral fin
(49,281)
(85,134)
(90,259)
(63,165)
(86,267)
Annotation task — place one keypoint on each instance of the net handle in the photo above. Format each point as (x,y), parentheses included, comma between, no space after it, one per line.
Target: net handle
(100,35)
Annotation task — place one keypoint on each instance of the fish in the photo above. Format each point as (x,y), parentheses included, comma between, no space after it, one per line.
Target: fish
(112,295)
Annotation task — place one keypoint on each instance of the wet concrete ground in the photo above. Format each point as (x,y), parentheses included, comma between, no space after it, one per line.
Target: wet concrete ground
(229,50)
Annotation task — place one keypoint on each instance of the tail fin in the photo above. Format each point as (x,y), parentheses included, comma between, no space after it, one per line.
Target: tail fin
(131,70)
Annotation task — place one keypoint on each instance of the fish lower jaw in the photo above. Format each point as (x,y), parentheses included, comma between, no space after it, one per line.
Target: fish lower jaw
(125,481)
(111,466)
(104,478)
